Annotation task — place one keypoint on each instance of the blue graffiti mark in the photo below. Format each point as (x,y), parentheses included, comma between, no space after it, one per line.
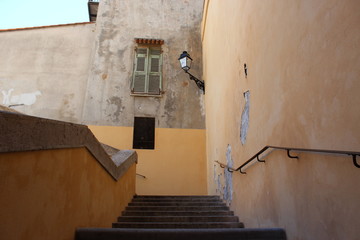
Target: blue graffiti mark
(245,118)
(228,188)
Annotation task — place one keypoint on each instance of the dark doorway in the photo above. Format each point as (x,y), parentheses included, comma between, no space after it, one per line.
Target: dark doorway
(144,133)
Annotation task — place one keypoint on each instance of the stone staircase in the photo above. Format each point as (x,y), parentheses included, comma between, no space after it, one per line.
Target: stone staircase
(177,217)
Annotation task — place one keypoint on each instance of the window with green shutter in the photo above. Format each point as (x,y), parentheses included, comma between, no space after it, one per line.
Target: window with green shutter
(147,75)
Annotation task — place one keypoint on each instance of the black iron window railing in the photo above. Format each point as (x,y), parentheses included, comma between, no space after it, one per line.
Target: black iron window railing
(287,149)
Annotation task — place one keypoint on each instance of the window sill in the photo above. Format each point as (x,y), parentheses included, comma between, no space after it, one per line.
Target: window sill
(146,95)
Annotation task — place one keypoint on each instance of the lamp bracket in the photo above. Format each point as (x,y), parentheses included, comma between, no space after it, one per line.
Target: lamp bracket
(199,83)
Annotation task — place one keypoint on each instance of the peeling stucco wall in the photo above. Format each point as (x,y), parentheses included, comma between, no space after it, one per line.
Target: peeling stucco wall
(228,189)
(82,72)
(245,118)
(223,178)
(108,100)
(27,99)
(44,70)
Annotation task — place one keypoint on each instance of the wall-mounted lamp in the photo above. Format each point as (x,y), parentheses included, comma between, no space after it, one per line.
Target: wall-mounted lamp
(185,63)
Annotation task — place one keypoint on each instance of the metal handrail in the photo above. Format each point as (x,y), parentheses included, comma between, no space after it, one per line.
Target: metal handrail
(256,156)
(141,176)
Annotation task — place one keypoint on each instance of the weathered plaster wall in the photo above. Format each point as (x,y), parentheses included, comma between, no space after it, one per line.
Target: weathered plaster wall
(108,100)
(177,165)
(82,73)
(46,70)
(48,194)
(303,65)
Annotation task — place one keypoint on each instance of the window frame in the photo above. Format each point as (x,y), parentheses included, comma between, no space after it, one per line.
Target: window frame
(147,72)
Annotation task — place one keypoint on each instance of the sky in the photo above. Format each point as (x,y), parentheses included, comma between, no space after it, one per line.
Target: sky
(31,13)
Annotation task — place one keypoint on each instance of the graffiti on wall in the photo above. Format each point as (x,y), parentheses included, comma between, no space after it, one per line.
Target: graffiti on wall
(27,99)
(228,188)
(245,118)
(223,180)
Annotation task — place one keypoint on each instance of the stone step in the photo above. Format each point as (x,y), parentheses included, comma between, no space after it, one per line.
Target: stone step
(185,219)
(177,213)
(174,225)
(178,208)
(176,200)
(176,197)
(179,234)
(178,218)
(177,203)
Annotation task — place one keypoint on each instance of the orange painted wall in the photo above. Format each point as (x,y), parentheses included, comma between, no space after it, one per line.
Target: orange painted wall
(303,60)
(48,194)
(176,166)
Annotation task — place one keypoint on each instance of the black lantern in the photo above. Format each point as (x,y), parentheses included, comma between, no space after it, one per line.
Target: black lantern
(185,63)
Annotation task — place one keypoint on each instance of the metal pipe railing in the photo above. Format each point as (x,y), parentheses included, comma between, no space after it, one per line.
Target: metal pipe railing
(141,176)
(256,156)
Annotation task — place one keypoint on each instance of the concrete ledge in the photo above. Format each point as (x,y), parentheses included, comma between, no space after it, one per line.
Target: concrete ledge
(20,133)
(7,109)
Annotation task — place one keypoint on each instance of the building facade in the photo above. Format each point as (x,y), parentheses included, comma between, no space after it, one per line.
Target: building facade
(279,73)
(121,76)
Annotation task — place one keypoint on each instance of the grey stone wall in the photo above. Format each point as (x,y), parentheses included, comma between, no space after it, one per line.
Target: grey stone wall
(108,100)
(44,70)
(82,72)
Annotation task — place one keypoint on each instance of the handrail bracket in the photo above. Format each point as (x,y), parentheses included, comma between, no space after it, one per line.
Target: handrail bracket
(259,160)
(354,161)
(288,153)
(241,171)
(225,166)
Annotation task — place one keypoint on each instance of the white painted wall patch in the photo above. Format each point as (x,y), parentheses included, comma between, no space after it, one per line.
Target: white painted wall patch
(24,98)
(245,118)
(228,188)
(6,96)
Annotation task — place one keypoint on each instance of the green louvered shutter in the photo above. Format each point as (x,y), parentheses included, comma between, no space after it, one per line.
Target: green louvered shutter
(154,81)
(140,72)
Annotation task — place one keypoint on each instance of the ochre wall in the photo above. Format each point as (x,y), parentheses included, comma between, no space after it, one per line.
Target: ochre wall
(303,64)
(176,166)
(48,194)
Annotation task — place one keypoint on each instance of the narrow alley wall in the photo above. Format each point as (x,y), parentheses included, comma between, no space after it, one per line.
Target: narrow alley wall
(285,73)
